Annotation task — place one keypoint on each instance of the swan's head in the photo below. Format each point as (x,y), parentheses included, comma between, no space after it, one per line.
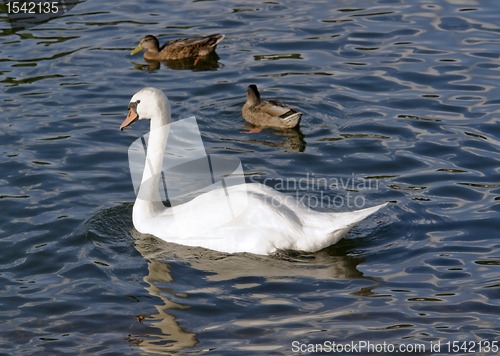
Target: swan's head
(253,96)
(149,103)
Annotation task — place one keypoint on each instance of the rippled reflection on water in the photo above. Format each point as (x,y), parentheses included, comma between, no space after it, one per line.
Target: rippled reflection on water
(403,93)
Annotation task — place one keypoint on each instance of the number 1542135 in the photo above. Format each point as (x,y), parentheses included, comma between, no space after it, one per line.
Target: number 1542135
(21,7)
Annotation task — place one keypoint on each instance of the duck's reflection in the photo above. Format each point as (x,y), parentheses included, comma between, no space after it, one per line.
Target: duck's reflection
(222,267)
(294,139)
(209,62)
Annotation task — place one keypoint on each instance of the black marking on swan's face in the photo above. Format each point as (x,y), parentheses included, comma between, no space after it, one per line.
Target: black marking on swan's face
(133,106)
(132,116)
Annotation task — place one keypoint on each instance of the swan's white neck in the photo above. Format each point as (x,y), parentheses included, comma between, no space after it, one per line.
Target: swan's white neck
(149,199)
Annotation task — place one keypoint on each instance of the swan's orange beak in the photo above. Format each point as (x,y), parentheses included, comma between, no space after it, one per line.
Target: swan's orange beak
(131,118)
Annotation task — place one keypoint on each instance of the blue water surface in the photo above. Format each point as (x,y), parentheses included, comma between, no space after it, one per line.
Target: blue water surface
(402,94)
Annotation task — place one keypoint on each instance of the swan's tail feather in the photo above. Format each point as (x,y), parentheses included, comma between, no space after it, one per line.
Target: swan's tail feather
(360,215)
(327,229)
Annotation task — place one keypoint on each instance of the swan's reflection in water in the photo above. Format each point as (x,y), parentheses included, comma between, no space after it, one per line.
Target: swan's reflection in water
(221,267)
(172,337)
(209,62)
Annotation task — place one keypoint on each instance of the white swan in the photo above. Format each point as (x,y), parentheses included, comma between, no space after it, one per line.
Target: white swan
(262,228)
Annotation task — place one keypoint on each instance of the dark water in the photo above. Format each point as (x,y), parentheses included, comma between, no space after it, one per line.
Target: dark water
(402,94)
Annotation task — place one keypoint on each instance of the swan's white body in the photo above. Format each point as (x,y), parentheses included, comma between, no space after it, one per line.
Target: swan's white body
(262,228)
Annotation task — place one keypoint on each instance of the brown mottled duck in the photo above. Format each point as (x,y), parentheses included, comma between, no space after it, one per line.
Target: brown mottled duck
(272,113)
(177,49)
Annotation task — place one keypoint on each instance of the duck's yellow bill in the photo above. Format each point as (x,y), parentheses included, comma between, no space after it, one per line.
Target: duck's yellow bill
(137,49)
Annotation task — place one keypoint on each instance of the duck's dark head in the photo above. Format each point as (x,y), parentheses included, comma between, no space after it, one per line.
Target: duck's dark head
(253,95)
(148,42)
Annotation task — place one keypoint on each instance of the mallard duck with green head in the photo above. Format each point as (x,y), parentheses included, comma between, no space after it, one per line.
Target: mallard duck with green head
(272,113)
(177,49)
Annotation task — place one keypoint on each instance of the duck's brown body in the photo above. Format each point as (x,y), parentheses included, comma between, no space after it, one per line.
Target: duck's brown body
(272,113)
(177,49)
